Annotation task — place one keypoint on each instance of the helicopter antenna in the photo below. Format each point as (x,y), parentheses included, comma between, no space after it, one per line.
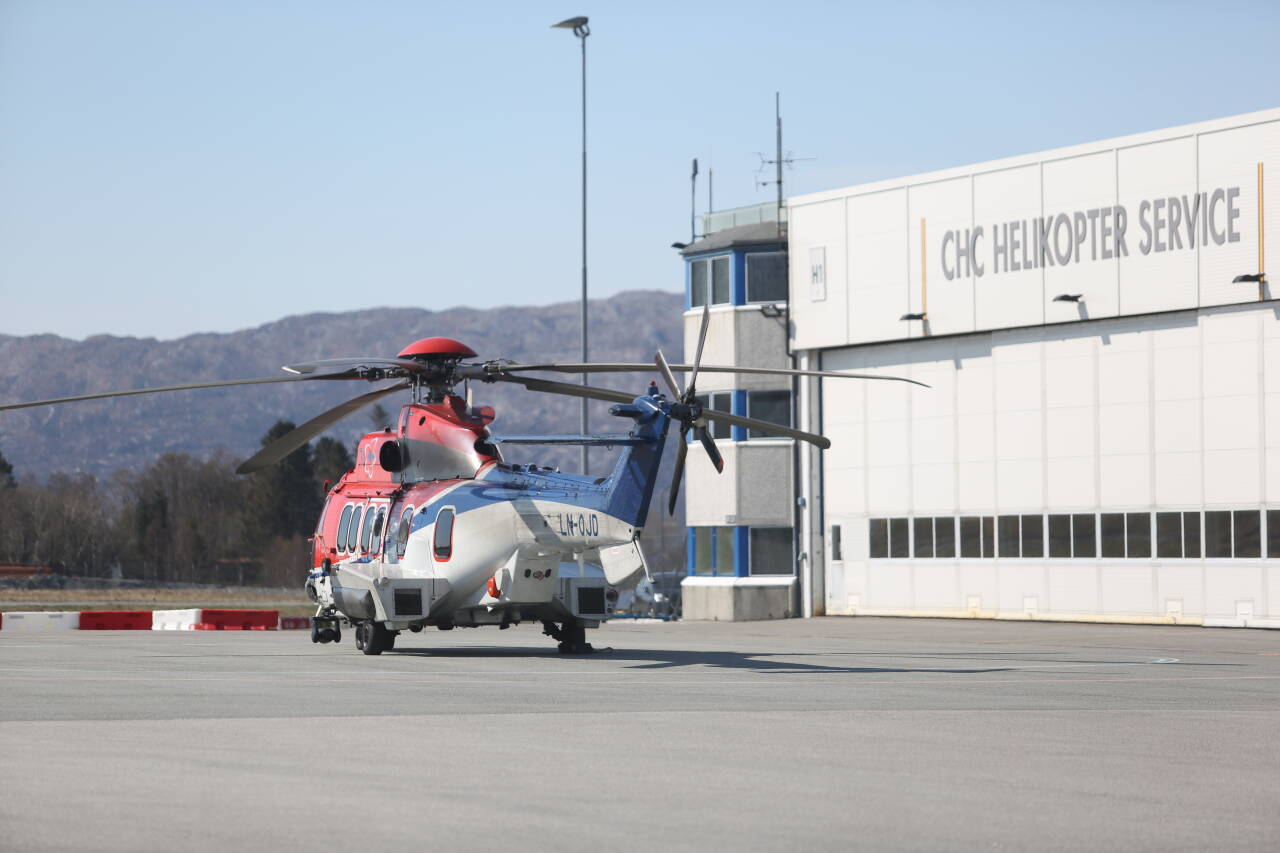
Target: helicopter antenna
(778,160)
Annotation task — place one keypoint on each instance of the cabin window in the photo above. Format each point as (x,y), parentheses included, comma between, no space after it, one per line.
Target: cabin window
(343,524)
(403,529)
(353,530)
(377,531)
(443,543)
(367,530)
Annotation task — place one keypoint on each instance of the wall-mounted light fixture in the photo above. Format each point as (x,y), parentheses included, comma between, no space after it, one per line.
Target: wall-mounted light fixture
(1068,297)
(920,316)
(773,311)
(1259,278)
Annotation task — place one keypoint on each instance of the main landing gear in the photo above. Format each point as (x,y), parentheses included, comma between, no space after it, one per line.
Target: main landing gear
(373,638)
(571,636)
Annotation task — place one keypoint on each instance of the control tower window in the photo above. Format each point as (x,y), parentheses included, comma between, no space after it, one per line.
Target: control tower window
(710,282)
(767,277)
(720,401)
(771,406)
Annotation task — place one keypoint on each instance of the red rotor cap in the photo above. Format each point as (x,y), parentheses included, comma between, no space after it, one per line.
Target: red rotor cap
(438,346)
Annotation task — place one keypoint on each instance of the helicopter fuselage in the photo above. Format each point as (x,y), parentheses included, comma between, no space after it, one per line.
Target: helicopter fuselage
(400,544)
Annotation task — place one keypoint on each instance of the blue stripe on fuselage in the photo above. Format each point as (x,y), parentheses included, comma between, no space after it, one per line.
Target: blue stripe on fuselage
(503,485)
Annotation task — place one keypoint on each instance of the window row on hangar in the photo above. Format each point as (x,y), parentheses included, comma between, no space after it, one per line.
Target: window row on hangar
(1237,534)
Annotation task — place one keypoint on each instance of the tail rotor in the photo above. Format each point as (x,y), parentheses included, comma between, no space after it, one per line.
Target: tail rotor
(689,412)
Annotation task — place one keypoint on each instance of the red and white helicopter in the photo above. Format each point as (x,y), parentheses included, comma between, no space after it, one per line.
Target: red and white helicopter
(432,528)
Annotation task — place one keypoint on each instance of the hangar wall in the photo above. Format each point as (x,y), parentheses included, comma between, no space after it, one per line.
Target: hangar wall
(1102,435)
(1132,417)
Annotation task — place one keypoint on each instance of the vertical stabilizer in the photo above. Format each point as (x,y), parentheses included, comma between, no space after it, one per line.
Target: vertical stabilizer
(633,479)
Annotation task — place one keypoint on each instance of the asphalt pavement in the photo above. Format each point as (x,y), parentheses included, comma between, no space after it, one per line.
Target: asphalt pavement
(826,734)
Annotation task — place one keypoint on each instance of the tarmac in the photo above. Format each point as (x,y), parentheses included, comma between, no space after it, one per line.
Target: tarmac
(824,734)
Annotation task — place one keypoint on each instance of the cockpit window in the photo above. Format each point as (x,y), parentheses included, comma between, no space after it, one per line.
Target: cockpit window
(345,522)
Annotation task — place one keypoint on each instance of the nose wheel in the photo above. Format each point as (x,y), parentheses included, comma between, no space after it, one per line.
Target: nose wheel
(373,638)
(325,630)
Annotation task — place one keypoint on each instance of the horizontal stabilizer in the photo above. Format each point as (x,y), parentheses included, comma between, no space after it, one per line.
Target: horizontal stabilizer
(589,440)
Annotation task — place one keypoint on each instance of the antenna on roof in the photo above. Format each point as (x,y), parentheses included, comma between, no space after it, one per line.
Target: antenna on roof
(778,161)
(693,203)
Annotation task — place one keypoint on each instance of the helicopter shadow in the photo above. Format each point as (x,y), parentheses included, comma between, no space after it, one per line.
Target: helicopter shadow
(768,662)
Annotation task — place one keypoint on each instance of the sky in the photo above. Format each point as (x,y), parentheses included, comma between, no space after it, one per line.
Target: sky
(172,166)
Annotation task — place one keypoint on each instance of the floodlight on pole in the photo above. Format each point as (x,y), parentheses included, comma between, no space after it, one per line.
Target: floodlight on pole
(580,29)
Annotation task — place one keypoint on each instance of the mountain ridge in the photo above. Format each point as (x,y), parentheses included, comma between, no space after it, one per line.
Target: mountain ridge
(99,437)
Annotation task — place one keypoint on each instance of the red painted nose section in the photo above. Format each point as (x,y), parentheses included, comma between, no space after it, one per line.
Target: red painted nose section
(438,346)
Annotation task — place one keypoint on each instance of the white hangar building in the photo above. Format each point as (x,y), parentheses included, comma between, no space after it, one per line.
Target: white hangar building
(1101,435)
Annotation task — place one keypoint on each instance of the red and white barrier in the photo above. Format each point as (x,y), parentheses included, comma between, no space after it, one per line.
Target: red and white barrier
(41,620)
(116,620)
(174,620)
(211,619)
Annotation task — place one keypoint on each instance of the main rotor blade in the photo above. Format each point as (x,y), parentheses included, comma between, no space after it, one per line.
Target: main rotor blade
(641,367)
(674,495)
(661,361)
(689,390)
(289,442)
(191,387)
(359,361)
(709,445)
(766,427)
(548,387)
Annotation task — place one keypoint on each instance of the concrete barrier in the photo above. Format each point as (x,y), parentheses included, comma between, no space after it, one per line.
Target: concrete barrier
(42,620)
(238,620)
(174,620)
(116,620)
(211,619)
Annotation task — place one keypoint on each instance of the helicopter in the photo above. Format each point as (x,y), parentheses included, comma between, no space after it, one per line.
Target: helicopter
(432,527)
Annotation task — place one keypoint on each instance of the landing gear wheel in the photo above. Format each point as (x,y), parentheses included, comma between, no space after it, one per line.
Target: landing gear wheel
(325,630)
(373,638)
(572,637)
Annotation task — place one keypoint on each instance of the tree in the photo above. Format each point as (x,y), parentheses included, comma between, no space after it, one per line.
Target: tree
(283,498)
(6,474)
(331,460)
(380,417)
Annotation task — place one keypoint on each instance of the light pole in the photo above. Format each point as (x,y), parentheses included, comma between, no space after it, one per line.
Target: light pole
(581,30)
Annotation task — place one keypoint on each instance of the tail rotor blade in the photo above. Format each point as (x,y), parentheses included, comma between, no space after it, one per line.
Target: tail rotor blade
(697,357)
(709,444)
(767,428)
(681,452)
(660,360)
